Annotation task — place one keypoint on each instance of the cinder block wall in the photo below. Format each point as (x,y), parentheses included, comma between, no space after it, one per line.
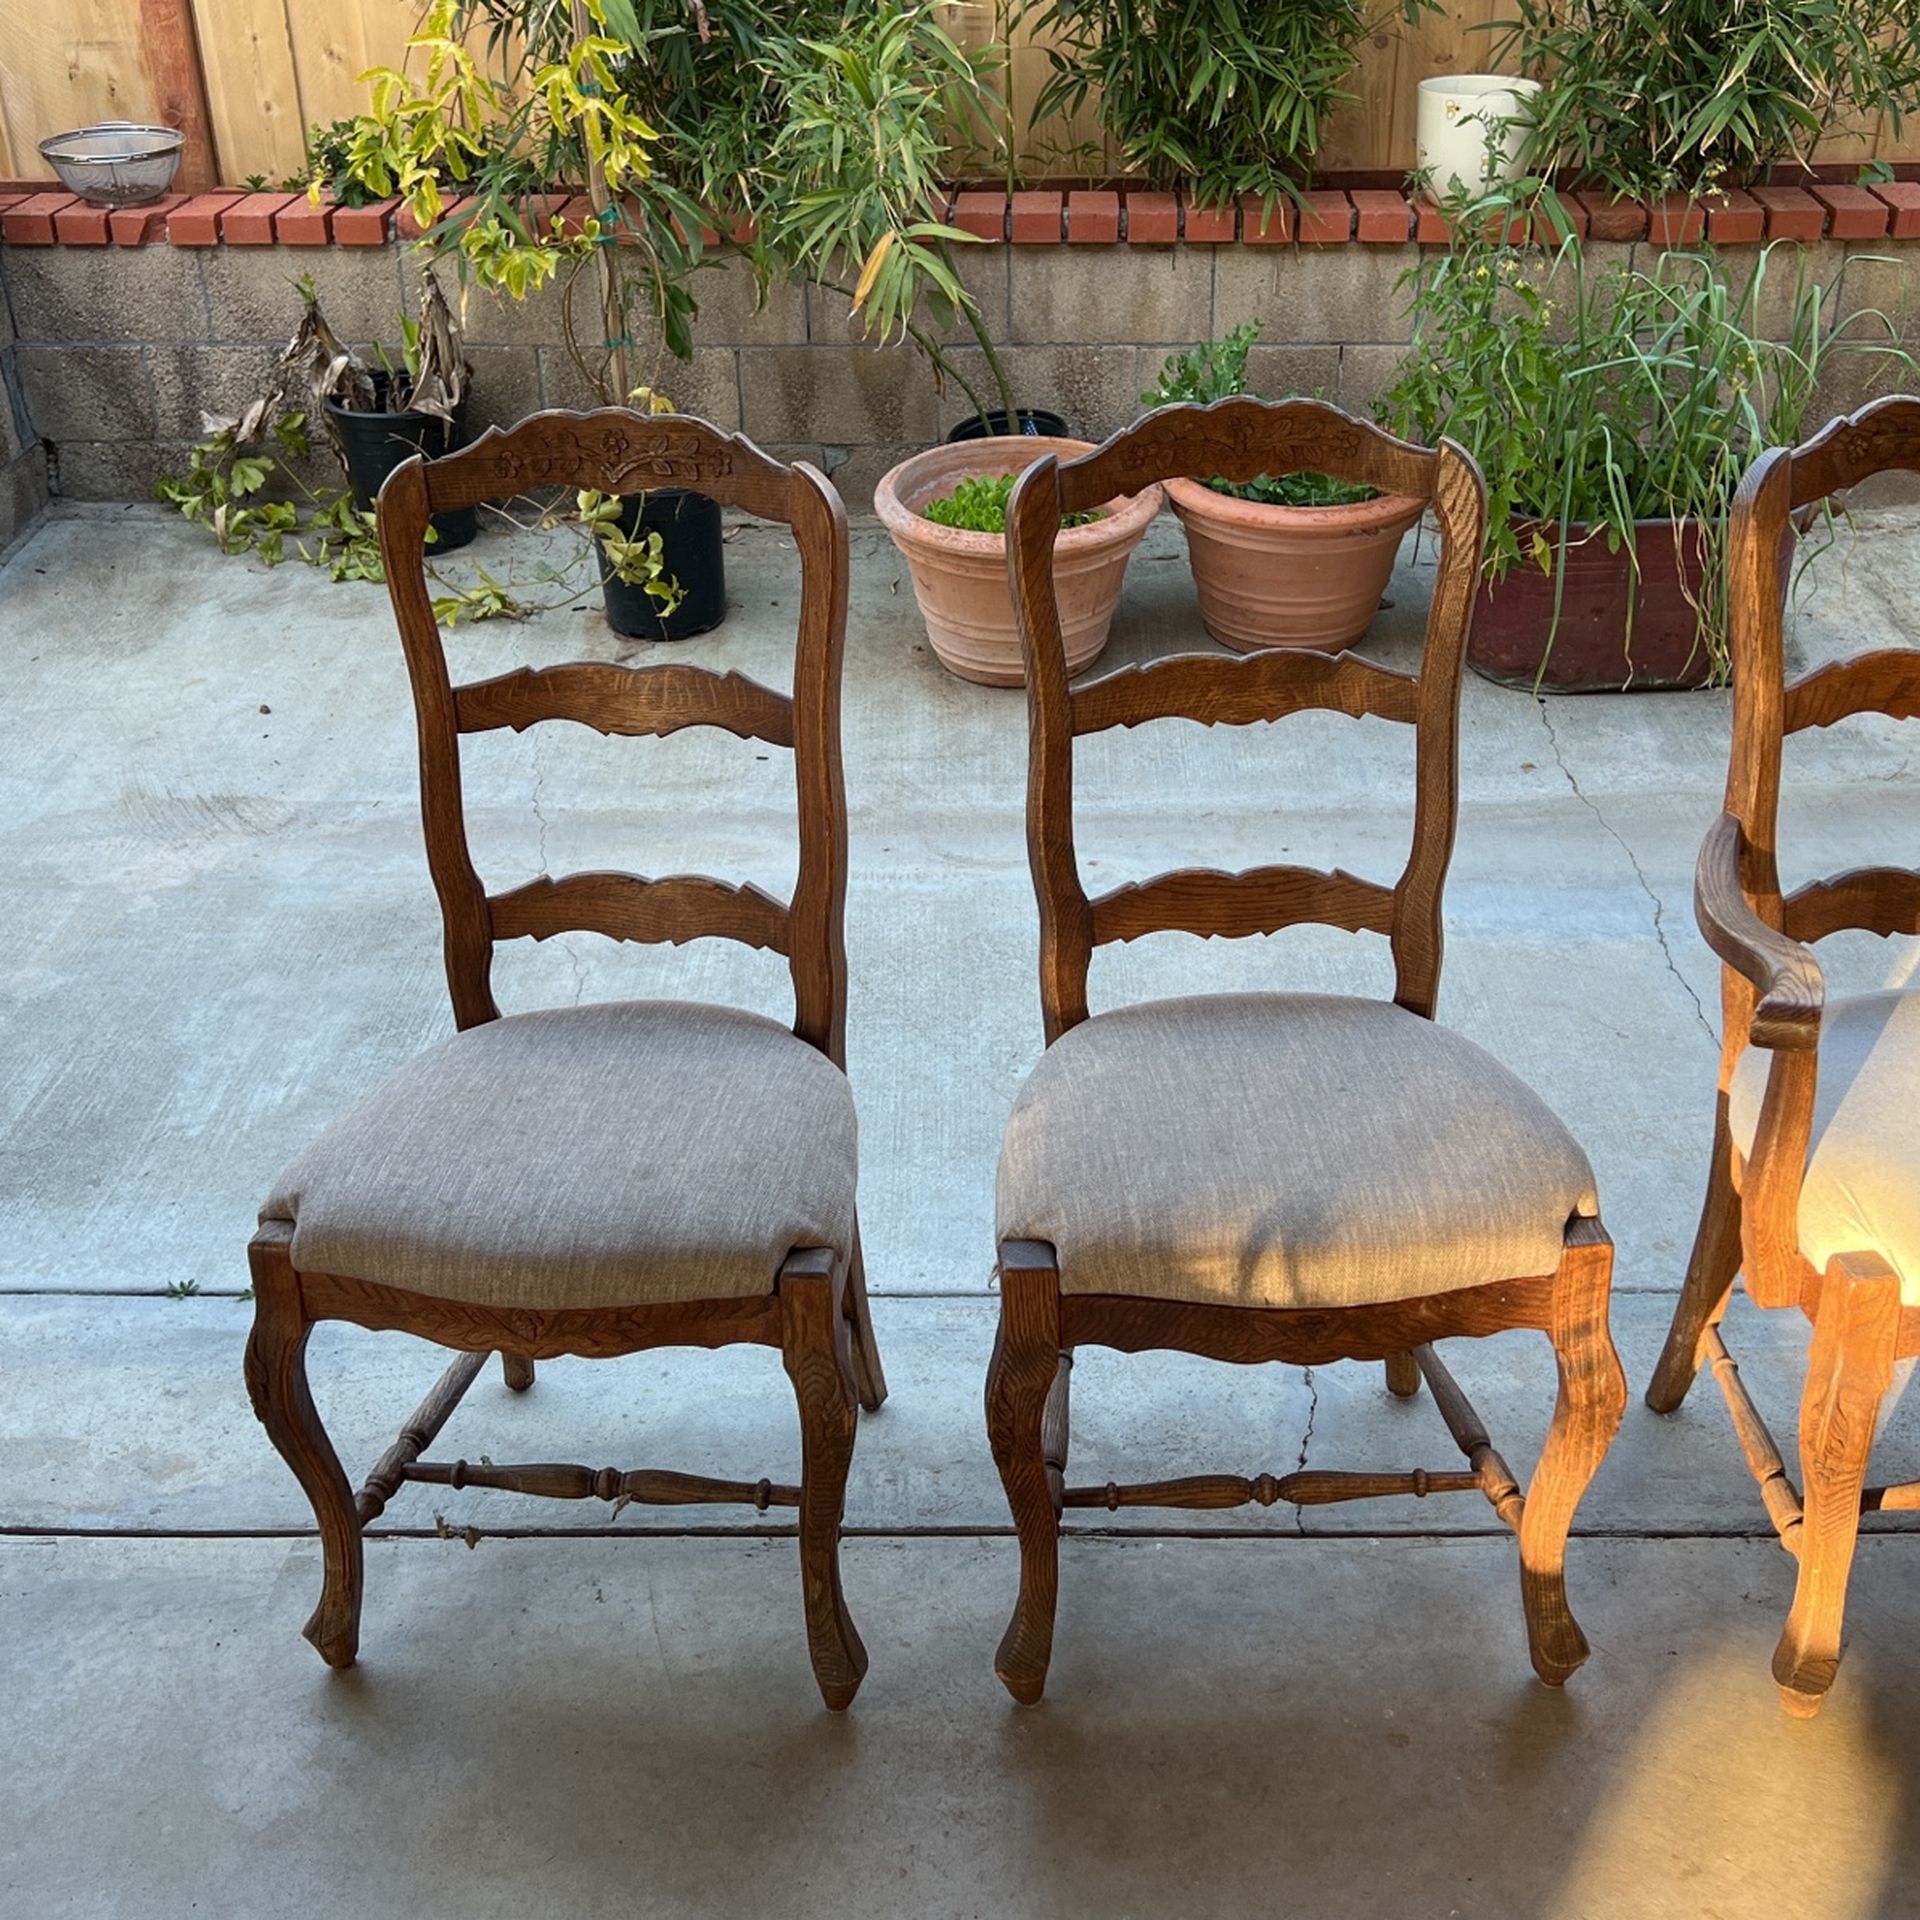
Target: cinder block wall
(23,467)
(121,349)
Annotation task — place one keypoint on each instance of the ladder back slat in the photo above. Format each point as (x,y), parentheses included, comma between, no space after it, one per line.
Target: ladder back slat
(632,701)
(1887,682)
(628,906)
(1215,904)
(1881,900)
(1241,690)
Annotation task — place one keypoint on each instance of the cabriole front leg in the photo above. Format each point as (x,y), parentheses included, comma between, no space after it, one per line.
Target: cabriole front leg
(1020,1380)
(1586,1416)
(277,1385)
(1856,1331)
(814,1346)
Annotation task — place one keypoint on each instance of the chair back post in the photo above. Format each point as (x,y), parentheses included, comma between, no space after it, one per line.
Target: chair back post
(1460,508)
(1239,439)
(616,451)
(1066,916)
(1759,521)
(405,511)
(817,955)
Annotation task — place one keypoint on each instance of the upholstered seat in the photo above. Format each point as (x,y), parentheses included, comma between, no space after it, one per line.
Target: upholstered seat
(1284,1150)
(1861,1193)
(613,1155)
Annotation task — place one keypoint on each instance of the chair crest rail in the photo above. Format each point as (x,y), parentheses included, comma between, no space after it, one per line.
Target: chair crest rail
(1215,904)
(631,701)
(1240,438)
(612,451)
(1244,689)
(627,906)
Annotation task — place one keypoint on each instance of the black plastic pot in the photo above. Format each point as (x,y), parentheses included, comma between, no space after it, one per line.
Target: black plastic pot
(1034,420)
(691,549)
(376,443)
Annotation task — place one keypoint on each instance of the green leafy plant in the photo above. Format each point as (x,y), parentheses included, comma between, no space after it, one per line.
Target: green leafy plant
(223,489)
(541,109)
(1593,401)
(1652,96)
(699,76)
(979,505)
(1219,97)
(328,163)
(850,193)
(1217,371)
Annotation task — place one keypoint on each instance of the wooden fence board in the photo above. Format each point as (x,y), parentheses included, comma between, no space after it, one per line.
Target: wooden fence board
(253,87)
(273,67)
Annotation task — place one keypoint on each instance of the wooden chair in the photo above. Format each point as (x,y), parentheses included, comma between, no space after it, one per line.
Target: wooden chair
(1276,1176)
(601,1179)
(1813,1192)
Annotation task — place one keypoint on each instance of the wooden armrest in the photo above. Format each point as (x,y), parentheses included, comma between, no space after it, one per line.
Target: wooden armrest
(1786,974)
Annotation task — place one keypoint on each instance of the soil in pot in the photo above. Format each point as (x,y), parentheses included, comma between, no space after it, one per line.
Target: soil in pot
(1592,650)
(694,555)
(1032,421)
(1274,576)
(960,577)
(376,443)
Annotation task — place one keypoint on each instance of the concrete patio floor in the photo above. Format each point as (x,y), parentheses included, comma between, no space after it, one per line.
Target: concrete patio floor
(216,931)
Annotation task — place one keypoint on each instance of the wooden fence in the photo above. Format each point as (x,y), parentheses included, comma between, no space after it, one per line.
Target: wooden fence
(247,77)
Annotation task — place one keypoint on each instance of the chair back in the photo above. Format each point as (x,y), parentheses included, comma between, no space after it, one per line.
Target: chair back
(1882,438)
(1240,439)
(620,452)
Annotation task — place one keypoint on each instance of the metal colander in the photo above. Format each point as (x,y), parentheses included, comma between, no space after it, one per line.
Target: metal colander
(117,163)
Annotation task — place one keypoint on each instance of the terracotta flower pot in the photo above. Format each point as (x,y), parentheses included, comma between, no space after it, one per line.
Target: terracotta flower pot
(1274,576)
(1591,650)
(960,577)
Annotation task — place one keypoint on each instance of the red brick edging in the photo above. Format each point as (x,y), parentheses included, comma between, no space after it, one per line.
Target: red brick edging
(32,214)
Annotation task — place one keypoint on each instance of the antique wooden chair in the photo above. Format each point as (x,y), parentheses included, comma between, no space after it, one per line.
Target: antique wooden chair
(1297,1177)
(1813,1192)
(600,1179)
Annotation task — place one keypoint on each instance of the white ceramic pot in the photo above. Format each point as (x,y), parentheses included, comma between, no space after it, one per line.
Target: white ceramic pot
(1458,113)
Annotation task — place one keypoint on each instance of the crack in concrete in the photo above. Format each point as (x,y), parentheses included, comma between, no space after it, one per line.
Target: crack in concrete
(1306,1441)
(540,815)
(1633,860)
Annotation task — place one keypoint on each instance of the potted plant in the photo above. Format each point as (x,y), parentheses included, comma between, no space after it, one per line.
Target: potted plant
(241,474)
(1214,96)
(853,191)
(556,107)
(380,416)
(1695,94)
(947,512)
(1613,415)
(1288,560)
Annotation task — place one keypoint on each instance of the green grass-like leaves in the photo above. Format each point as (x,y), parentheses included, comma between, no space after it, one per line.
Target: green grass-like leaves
(979,505)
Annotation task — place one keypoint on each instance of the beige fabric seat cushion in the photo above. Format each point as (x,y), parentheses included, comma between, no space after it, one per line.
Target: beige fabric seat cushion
(599,1156)
(1284,1150)
(1862,1189)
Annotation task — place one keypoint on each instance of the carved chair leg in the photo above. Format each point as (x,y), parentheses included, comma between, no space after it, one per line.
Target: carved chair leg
(518,1371)
(1020,1384)
(277,1384)
(1586,1416)
(867,1373)
(1849,1369)
(814,1345)
(1710,1276)
(1403,1375)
